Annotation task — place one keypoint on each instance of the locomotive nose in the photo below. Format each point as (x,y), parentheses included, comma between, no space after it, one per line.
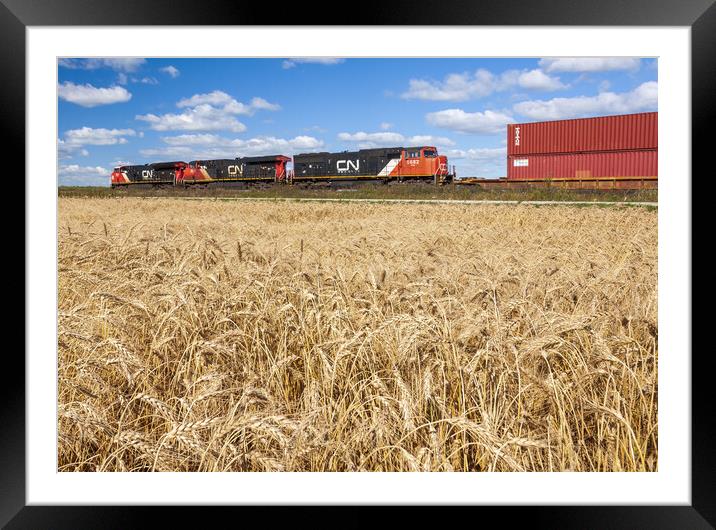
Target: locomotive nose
(442,160)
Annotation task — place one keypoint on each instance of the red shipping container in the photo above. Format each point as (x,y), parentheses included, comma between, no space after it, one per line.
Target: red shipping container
(584,165)
(603,133)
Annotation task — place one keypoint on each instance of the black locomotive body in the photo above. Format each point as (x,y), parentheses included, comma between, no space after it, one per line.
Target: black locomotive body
(166,172)
(365,163)
(158,174)
(250,168)
(138,173)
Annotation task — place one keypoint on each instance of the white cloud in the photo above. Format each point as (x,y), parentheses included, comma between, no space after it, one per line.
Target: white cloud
(642,98)
(123,64)
(384,126)
(193,139)
(488,122)
(75,140)
(90,96)
(366,140)
(200,118)
(207,146)
(74,169)
(65,150)
(455,87)
(213,111)
(290,63)
(480,153)
(120,162)
(171,71)
(427,139)
(217,97)
(464,86)
(76,175)
(537,80)
(123,79)
(90,136)
(589,64)
(262,104)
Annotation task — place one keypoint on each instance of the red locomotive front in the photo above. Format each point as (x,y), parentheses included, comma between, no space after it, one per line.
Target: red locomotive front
(420,162)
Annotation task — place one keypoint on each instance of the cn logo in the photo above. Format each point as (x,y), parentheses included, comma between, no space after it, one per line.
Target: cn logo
(146,174)
(236,170)
(517,136)
(347,165)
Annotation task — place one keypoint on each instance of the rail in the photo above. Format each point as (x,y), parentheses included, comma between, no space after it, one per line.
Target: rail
(574,183)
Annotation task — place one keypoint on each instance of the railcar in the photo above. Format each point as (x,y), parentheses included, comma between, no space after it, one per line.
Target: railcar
(385,164)
(235,170)
(156,175)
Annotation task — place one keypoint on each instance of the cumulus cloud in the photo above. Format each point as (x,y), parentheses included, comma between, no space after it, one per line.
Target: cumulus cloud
(170,70)
(291,63)
(217,97)
(365,140)
(207,146)
(76,175)
(120,64)
(427,139)
(589,64)
(480,153)
(123,79)
(642,98)
(455,87)
(262,104)
(537,80)
(200,118)
(90,96)
(75,139)
(488,122)
(65,150)
(213,111)
(464,86)
(91,136)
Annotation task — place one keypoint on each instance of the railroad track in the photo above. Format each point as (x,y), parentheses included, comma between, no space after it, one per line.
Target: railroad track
(418,201)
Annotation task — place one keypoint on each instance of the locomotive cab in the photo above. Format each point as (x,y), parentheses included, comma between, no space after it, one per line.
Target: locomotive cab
(423,161)
(119,176)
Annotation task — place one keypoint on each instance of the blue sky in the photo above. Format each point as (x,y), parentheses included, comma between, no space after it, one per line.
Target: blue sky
(125,110)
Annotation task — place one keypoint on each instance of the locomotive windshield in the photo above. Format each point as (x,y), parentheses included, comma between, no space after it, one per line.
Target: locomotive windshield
(430,153)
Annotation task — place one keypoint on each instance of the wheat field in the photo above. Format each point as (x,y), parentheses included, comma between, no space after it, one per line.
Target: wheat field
(247,336)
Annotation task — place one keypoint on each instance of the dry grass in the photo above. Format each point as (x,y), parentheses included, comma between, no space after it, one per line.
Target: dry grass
(218,336)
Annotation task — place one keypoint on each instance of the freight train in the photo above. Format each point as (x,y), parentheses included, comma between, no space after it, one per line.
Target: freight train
(422,163)
(606,152)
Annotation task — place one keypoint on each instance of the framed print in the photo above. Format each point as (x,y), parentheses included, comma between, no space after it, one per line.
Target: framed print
(420,259)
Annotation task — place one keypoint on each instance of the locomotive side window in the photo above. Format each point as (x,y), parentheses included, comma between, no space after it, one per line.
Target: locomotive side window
(413,154)
(430,153)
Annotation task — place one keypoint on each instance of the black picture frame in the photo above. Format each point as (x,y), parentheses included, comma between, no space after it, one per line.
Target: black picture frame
(699,15)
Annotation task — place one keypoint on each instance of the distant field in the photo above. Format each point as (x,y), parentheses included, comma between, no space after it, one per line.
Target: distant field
(373,191)
(240,336)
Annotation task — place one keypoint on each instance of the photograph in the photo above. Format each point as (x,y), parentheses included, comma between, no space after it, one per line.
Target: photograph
(357,264)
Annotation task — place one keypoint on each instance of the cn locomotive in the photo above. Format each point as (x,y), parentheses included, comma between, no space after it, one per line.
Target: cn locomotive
(422,163)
